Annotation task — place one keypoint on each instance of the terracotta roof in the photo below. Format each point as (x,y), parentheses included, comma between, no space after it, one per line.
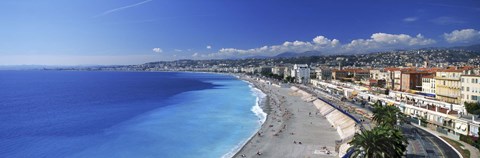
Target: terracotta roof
(392,69)
(451,70)
(429,76)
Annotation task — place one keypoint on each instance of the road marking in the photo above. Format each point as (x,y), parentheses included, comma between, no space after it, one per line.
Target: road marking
(441,152)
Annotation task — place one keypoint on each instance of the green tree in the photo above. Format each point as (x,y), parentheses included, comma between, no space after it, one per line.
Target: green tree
(381,142)
(289,79)
(387,115)
(473,107)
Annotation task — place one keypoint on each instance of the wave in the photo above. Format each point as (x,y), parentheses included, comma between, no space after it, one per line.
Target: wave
(258,111)
(262,116)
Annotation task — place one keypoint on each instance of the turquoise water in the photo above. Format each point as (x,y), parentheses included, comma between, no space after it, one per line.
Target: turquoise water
(125,114)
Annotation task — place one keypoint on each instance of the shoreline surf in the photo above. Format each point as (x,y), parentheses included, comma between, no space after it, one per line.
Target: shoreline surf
(258,110)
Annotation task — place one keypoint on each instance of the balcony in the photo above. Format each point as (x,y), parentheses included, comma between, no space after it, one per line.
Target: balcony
(448,95)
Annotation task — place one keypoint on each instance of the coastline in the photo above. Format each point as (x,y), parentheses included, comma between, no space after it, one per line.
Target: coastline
(262,103)
(292,128)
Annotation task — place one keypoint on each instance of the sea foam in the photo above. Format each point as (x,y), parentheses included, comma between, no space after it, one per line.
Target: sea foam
(258,111)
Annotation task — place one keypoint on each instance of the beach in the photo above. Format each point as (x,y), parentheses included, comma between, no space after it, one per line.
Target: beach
(293,128)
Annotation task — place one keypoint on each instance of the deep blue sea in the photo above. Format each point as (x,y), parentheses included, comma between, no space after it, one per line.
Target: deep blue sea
(125,114)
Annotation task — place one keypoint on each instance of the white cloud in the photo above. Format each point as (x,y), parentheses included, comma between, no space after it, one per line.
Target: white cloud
(377,42)
(209,47)
(410,19)
(177,50)
(157,50)
(384,41)
(195,55)
(462,36)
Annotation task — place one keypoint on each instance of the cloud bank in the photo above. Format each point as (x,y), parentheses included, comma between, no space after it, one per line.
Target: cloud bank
(462,36)
(376,42)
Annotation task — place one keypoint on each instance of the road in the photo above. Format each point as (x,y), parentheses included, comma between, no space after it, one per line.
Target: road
(431,146)
(421,142)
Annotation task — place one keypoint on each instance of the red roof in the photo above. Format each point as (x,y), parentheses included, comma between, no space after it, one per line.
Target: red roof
(429,76)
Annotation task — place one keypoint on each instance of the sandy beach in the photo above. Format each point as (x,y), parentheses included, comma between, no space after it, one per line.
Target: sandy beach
(293,128)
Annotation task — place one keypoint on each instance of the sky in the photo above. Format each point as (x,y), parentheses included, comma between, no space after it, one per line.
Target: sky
(93,32)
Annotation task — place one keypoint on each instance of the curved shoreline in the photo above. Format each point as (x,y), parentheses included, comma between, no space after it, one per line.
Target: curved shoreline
(293,127)
(260,102)
(264,105)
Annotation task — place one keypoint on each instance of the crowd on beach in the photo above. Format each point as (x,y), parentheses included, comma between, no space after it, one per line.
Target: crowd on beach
(276,126)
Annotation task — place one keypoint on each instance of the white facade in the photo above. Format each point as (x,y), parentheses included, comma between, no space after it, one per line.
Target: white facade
(278,70)
(379,75)
(470,88)
(301,73)
(428,85)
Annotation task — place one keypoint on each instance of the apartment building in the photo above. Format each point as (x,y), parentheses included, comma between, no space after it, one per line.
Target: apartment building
(428,84)
(470,88)
(301,73)
(448,85)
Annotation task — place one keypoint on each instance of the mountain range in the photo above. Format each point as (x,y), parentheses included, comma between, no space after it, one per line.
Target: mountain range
(474,48)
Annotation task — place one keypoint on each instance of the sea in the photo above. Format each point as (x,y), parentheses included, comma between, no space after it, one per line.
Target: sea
(90,114)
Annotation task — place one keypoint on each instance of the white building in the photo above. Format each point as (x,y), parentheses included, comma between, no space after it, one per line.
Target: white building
(470,88)
(428,85)
(287,72)
(376,74)
(277,70)
(301,73)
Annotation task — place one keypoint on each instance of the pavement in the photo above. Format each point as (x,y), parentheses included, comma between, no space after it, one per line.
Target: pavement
(421,142)
(425,144)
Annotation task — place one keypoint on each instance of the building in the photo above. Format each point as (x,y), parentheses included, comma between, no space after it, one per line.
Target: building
(448,85)
(323,73)
(412,80)
(339,74)
(428,84)
(397,80)
(301,73)
(278,70)
(360,74)
(379,78)
(378,74)
(265,69)
(390,72)
(470,88)
(287,72)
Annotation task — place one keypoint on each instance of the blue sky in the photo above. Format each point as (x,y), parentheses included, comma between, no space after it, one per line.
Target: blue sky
(59,32)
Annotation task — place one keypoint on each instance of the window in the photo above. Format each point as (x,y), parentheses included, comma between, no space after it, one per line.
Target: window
(474,97)
(462,80)
(468,89)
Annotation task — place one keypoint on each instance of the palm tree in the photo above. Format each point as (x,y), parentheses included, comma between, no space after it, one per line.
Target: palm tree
(380,142)
(384,140)
(387,115)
